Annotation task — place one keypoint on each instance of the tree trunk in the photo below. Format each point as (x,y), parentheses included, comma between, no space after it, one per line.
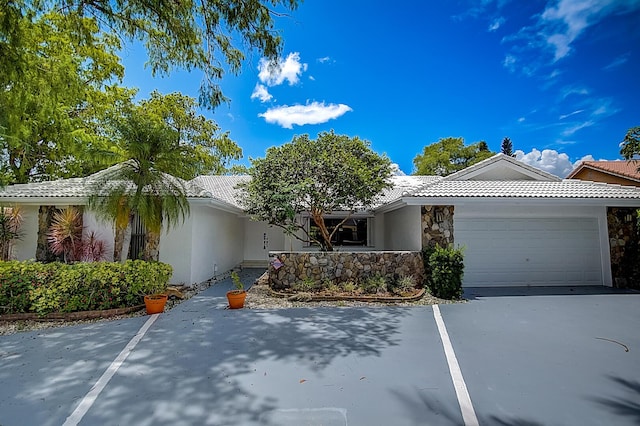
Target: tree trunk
(324,232)
(151,245)
(121,243)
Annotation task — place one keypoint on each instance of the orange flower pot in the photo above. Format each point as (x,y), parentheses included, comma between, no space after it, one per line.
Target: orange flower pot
(236,298)
(155,303)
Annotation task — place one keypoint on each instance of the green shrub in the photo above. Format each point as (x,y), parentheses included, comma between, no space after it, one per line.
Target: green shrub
(374,284)
(304,286)
(58,287)
(446,268)
(404,285)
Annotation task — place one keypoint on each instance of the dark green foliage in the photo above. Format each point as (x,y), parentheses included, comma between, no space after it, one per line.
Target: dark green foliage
(507,147)
(56,287)
(446,268)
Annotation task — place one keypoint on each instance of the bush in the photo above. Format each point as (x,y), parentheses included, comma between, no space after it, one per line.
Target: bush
(374,284)
(446,268)
(58,287)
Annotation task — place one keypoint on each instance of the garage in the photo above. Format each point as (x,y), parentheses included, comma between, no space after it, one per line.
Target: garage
(530,251)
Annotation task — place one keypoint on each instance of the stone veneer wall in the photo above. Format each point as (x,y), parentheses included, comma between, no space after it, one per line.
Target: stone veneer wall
(624,246)
(339,266)
(437,226)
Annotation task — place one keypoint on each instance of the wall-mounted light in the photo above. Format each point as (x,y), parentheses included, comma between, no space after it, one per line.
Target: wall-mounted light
(628,217)
(439,216)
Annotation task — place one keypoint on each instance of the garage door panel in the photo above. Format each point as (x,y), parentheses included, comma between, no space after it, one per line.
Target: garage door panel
(535,252)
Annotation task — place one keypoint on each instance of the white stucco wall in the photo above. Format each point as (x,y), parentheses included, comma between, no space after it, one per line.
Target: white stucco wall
(256,247)
(402,229)
(377,234)
(25,247)
(217,239)
(176,249)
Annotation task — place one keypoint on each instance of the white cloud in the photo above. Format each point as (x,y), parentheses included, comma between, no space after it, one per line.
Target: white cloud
(556,28)
(395,170)
(495,24)
(261,92)
(549,160)
(313,113)
(562,117)
(275,73)
(510,62)
(521,120)
(619,61)
(324,59)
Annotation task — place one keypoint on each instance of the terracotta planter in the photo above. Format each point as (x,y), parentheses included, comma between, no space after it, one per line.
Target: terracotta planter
(236,298)
(155,303)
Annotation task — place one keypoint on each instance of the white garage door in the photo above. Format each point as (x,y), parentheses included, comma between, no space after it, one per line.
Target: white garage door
(534,252)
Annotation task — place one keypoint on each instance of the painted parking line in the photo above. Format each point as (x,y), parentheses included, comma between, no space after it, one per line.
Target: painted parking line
(92,395)
(466,407)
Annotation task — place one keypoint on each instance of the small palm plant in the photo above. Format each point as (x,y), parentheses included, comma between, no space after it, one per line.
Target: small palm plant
(10,222)
(65,234)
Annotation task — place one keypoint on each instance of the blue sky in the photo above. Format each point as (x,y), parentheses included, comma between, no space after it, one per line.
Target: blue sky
(559,77)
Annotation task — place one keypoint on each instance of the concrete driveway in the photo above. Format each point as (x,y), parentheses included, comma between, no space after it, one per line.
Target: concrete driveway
(537,359)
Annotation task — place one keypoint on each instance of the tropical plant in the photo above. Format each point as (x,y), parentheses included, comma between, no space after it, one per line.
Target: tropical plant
(374,284)
(65,234)
(235,279)
(162,142)
(10,223)
(66,237)
(334,173)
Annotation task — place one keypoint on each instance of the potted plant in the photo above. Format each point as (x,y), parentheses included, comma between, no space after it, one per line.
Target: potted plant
(236,297)
(155,303)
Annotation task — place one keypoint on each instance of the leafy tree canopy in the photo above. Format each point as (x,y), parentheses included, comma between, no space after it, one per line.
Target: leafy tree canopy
(331,173)
(630,147)
(449,155)
(203,35)
(53,100)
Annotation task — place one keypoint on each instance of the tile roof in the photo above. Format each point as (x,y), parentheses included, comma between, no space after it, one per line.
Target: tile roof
(567,188)
(502,158)
(79,187)
(628,169)
(222,188)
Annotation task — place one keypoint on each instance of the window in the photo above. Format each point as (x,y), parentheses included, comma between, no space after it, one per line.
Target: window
(353,232)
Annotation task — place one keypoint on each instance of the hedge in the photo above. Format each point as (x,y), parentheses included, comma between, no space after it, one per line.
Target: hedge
(58,287)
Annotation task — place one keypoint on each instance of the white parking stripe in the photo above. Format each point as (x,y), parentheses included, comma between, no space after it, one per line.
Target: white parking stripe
(468,413)
(91,396)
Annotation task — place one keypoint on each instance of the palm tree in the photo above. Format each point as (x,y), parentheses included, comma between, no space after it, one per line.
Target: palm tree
(162,142)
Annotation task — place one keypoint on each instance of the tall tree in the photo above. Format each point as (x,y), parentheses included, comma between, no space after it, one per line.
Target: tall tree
(507,147)
(52,104)
(201,34)
(630,146)
(449,155)
(162,142)
(333,173)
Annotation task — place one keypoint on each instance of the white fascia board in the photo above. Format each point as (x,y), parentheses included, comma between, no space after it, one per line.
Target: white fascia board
(394,205)
(445,201)
(217,204)
(45,201)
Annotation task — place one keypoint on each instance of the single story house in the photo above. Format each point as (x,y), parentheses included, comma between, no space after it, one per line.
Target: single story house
(619,172)
(518,225)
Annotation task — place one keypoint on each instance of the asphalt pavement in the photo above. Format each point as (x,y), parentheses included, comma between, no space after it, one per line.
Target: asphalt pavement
(525,358)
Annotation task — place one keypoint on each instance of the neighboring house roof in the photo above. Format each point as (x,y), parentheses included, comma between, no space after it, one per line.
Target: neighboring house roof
(623,169)
(502,167)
